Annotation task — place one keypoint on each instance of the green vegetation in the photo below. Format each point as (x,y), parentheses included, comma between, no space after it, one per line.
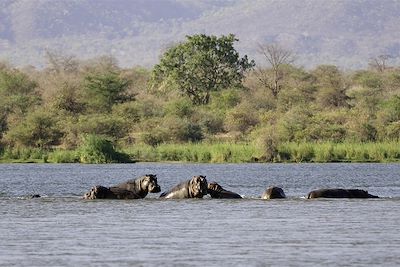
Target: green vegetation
(201,65)
(286,152)
(202,103)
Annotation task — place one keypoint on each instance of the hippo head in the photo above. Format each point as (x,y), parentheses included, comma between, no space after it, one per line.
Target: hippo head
(149,183)
(198,186)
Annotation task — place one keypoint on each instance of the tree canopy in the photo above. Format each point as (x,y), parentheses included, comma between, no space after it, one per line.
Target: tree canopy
(201,65)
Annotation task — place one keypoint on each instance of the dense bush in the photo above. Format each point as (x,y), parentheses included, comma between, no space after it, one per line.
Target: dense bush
(51,108)
(95,149)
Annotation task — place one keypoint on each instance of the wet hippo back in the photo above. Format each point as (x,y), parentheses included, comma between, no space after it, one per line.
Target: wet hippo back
(273,192)
(340,193)
(217,191)
(193,188)
(141,186)
(132,189)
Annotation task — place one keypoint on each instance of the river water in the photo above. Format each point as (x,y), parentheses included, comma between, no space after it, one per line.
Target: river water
(61,229)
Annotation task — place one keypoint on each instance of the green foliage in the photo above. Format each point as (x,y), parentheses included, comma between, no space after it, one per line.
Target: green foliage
(339,152)
(69,98)
(24,154)
(201,65)
(105,89)
(64,156)
(181,130)
(319,115)
(211,122)
(17,92)
(331,86)
(241,118)
(388,119)
(286,152)
(368,79)
(180,108)
(95,149)
(37,129)
(17,95)
(206,153)
(293,124)
(103,124)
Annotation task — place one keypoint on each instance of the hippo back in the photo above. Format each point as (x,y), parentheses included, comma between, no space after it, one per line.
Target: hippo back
(217,191)
(273,192)
(340,193)
(140,186)
(99,192)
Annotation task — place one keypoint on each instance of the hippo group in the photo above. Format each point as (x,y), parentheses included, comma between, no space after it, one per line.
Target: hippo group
(198,187)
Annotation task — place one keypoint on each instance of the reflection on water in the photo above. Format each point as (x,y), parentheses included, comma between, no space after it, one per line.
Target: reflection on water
(61,229)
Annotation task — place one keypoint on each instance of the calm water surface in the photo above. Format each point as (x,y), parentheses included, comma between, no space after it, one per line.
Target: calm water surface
(61,229)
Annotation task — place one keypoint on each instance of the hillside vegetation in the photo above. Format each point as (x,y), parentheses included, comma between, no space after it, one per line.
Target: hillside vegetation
(344,33)
(86,111)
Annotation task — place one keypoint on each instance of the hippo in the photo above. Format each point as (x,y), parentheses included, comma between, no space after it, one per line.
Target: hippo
(193,188)
(216,191)
(340,193)
(273,192)
(132,189)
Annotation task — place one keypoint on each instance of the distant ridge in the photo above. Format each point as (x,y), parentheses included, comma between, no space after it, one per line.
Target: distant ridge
(344,33)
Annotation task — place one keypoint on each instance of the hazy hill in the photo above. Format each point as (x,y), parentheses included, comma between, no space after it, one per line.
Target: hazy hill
(341,32)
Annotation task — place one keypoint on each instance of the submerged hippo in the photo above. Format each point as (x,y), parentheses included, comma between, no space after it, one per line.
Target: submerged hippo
(273,192)
(132,189)
(193,188)
(216,191)
(340,193)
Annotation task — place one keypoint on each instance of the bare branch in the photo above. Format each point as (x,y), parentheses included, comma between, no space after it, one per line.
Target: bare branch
(379,63)
(276,57)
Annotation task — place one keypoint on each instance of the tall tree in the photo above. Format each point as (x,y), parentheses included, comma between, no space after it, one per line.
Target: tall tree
(379,63)
(332,87)
(276,57)
(17,96)
(103,90)
(201,65)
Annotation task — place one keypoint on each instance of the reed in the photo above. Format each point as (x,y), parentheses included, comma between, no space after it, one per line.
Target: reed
(63,156)
(24,154)
(216,153)
(195,152)
(340,152)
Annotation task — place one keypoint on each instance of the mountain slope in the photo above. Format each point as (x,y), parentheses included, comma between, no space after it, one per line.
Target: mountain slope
(345,33)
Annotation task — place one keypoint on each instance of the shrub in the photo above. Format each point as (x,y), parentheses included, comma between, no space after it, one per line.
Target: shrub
(24,154)
(63,156)
(103,124)
(178,130)
(96,149)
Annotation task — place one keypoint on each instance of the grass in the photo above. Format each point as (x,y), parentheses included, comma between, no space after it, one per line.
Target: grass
(197,152)
(340,152)
(226,153)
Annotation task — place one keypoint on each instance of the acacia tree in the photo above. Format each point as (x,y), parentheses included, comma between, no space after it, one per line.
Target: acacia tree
(103,90)
(379,63)
(17,96)
(201,65)
(332,87)
(276,57)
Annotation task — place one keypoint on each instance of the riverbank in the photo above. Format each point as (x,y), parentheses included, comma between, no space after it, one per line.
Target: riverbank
(219,153)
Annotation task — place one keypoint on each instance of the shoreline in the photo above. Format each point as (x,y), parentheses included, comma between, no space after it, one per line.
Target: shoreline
(327,152)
